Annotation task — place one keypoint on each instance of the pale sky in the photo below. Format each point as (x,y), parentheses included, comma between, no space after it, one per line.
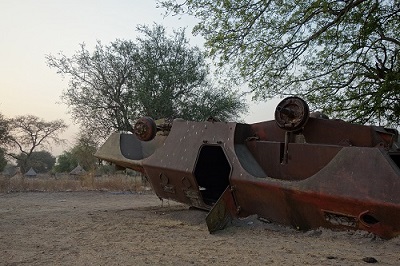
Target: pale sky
(32,29)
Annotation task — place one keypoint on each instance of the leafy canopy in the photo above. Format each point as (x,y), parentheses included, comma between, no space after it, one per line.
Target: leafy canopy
(66,162)
(156,75)
(40,161)
(343,56)
(84,150)
(3,160)
(4,131)
(81,153)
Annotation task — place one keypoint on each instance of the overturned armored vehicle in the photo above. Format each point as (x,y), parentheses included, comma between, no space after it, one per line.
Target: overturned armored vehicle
(300,170)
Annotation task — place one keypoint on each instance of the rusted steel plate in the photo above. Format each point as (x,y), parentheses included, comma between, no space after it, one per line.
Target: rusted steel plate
(222,213)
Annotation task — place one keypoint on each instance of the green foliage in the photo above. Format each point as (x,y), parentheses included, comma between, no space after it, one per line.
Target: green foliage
(343,56)
(172,80)
(3,160)
(66,162)
(82,153)
(156,75)
(107,169)
(100,86)
(40,161)
(4,138)
(223,105)
(4,130)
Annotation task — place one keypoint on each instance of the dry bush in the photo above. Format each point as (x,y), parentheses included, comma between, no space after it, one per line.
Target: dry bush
(66,182)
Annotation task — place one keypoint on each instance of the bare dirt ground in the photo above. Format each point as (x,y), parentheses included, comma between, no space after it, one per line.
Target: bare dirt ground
(105,228)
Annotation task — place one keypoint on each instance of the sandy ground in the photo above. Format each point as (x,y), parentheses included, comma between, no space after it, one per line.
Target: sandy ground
(104,228)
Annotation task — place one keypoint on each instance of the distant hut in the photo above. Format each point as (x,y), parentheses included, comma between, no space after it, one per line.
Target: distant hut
(31,173)
(78,171)
(11,170)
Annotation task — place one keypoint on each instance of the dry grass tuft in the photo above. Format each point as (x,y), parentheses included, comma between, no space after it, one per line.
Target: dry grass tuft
(65,182)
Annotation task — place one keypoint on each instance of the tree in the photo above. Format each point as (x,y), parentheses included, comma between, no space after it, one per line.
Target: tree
(81,153)
(4,138)
(343,56)
(66,162)
(99,92)
(171,80)
(84,150)
(40,161)
(3,160)
(28,133)
(157,76)
(4,131)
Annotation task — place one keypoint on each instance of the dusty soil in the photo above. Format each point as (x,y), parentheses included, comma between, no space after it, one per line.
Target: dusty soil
(104,228)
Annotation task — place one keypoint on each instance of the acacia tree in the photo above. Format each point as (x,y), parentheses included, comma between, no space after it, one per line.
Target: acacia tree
(157,75)
(27,133)
(343,56)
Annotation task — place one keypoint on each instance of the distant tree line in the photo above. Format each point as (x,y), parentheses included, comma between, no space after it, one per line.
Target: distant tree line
(22,136)
(24,139)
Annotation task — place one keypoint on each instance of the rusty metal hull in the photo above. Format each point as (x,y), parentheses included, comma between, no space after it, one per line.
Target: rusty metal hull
(332,174)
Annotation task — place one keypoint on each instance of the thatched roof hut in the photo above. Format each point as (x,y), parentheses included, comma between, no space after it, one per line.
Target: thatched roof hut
(30,173)
(78,170)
